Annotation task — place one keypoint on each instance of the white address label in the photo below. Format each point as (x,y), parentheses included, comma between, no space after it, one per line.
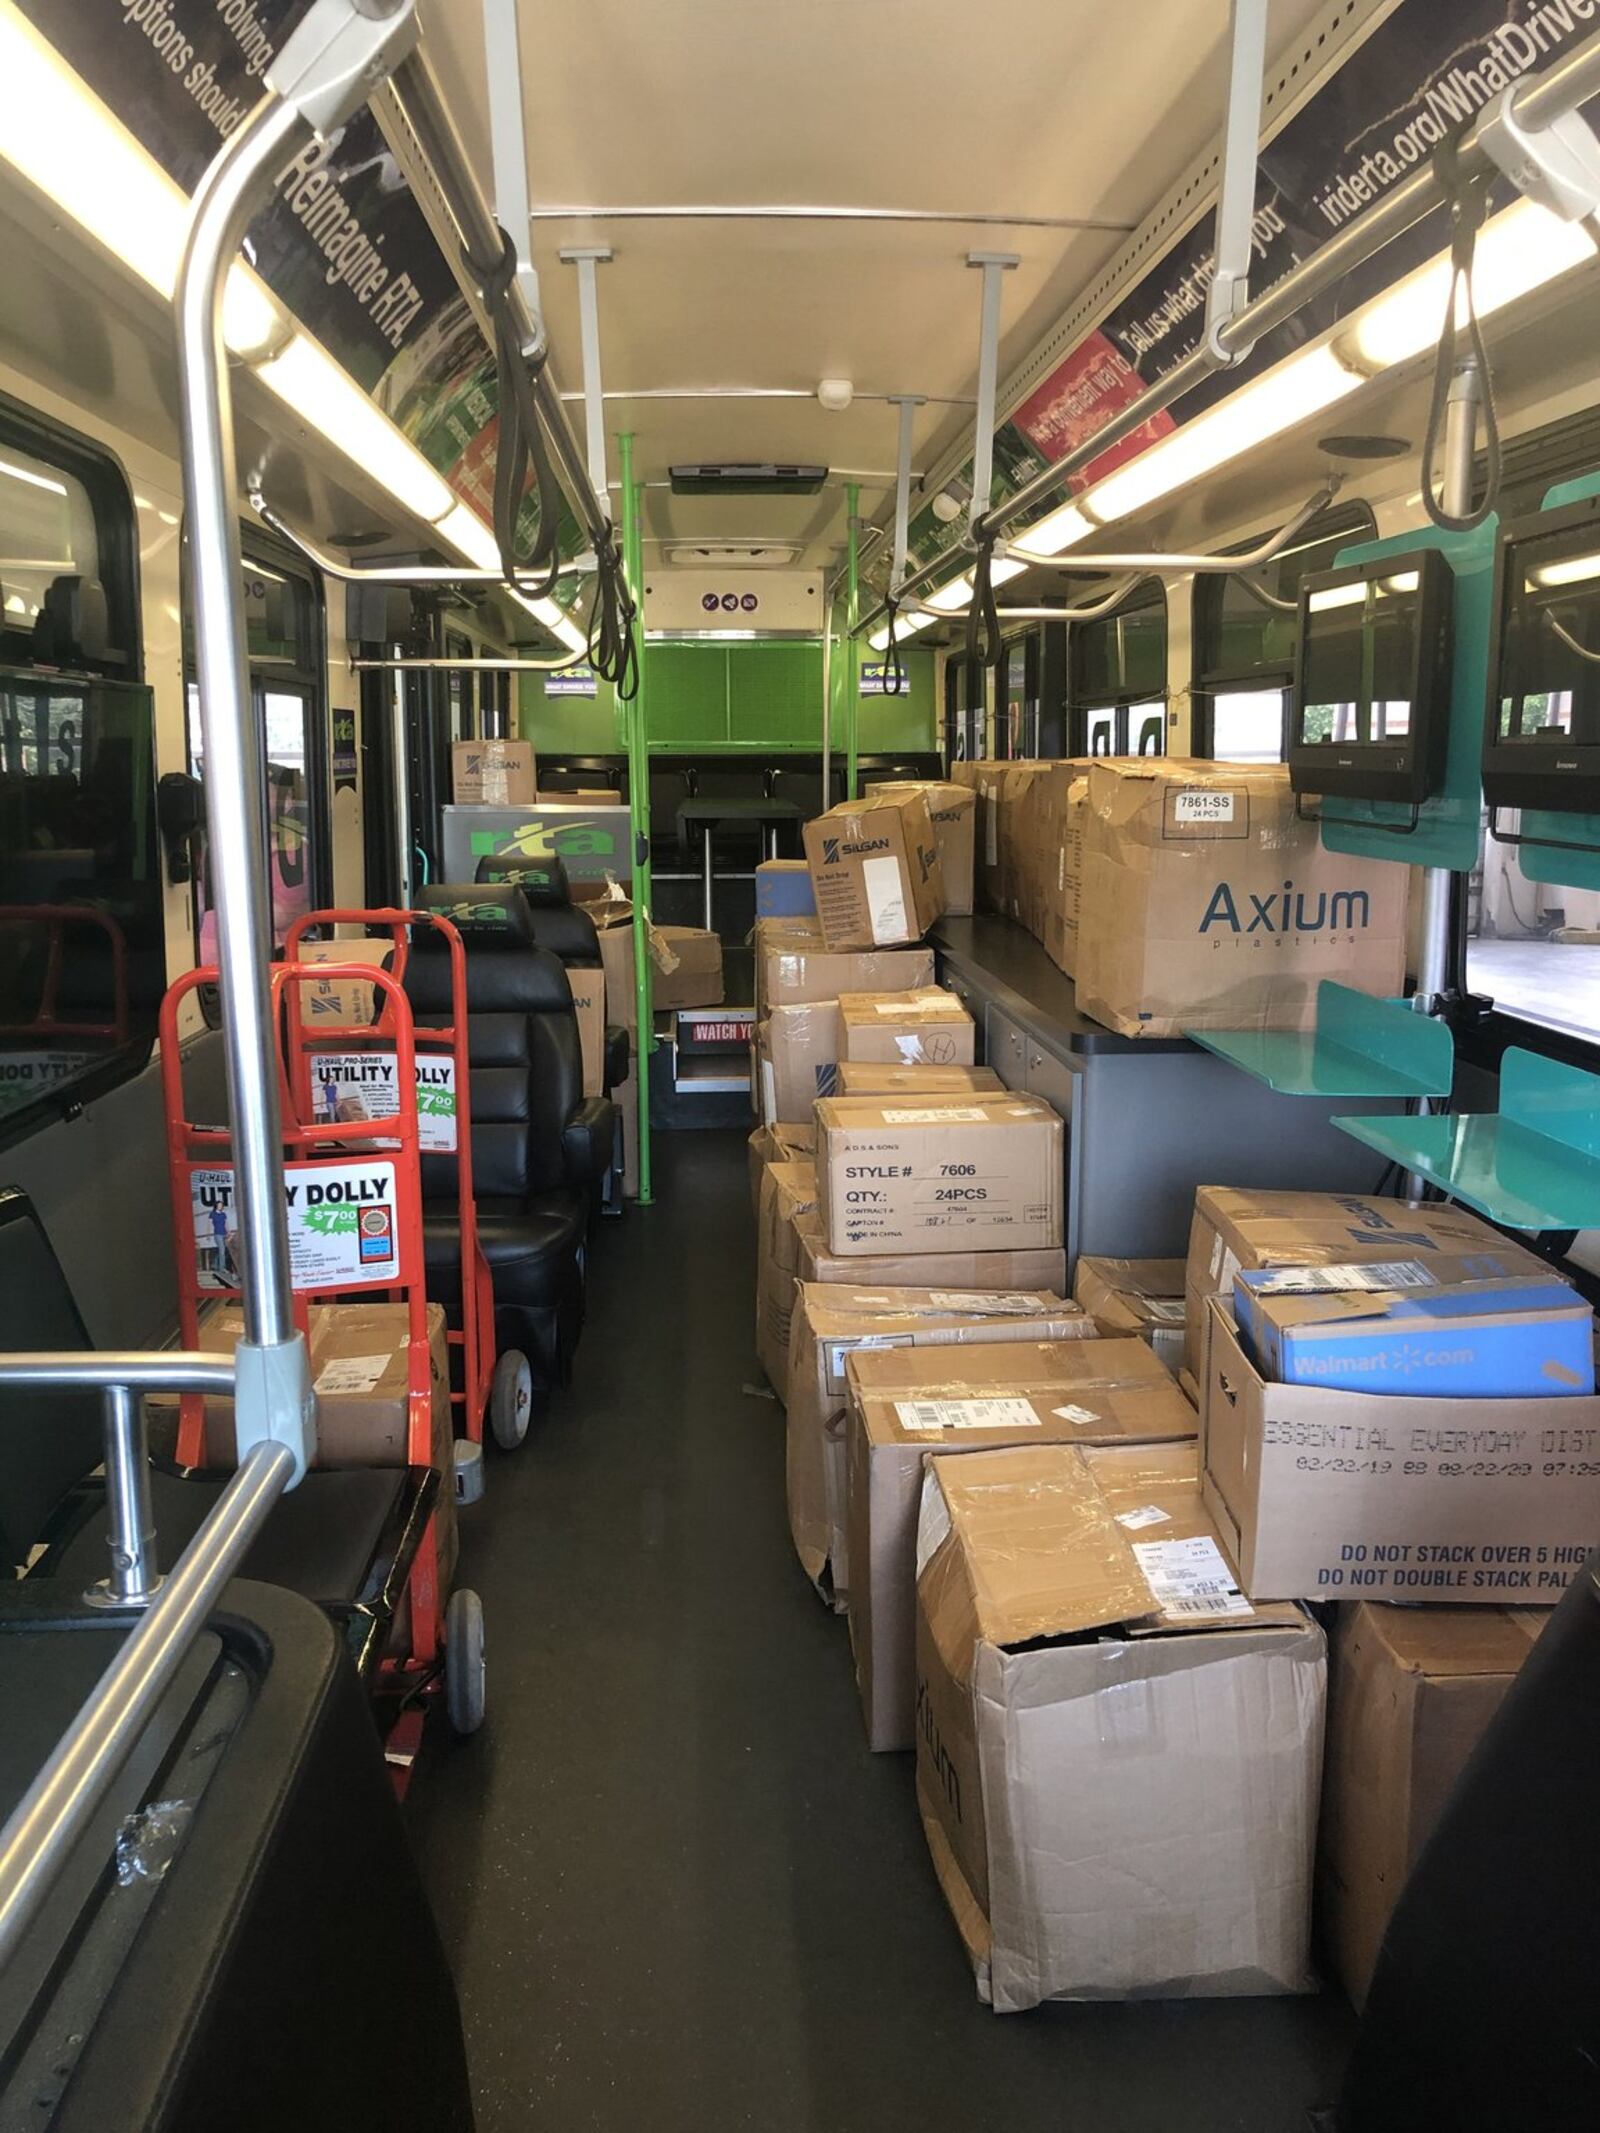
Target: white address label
(1147,1514)
(965,1414)
(1189,1578)
(938,1115)
(1202,806)
(1382,1274)
(985,1303)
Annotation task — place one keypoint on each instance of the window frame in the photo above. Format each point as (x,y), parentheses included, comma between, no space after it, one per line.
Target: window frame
(110,493)
(309,679)
(116,518)
(1210,675)
(1083,704)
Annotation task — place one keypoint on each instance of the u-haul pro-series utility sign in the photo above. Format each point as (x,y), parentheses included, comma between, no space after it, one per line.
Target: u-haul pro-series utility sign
(347,1086)
(343,1226)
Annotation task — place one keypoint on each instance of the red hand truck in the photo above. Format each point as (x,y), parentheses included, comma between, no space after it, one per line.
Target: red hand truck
(503,1387)
(355,1193)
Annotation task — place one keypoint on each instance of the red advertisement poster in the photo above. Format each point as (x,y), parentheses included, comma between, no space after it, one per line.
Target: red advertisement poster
(1080,396)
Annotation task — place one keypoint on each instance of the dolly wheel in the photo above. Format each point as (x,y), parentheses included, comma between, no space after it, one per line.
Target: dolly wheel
(511,1400)
(464,1679)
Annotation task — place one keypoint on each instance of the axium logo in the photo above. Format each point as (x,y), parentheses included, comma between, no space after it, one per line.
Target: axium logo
(1345,911)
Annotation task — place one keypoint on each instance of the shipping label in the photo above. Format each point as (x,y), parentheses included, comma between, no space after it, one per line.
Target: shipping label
(1382,1274)
(966,1414)
(343,1226)
(1146,1514)
(1189,1578)
(883,885)
(351,1086)
(351,1373)
(985,1303)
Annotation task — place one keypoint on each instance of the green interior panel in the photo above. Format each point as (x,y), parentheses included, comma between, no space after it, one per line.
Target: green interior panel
(1446,834)
(1360,1047)
(765,698)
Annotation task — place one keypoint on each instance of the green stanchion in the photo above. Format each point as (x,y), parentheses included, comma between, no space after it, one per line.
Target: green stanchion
(639,811)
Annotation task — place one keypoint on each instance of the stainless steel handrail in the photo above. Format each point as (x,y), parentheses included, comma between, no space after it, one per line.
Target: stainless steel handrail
(1562,87)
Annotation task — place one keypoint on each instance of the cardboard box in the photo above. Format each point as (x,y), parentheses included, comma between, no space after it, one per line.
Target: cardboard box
(829,1323)
(1063,945)
(589,1005)
(1410,1328)
(692,972)
(1235,1227)
(340,1003)
(783,889)
(793,966)
(1138,1297)
(953,811)
(626,1099)
(1038,1269)
(583,796)
(1038,846)
(497,774)
(787,1190)
(1410,1692)
(1346,1495)
(875,870)
(800,1060)
(1207,905)
(1018,874)
(1117,1758)
(982,1172)
(360,1374)
(905,1403)
(776,1144)
(863,1077)
(987,780)
(927,1027)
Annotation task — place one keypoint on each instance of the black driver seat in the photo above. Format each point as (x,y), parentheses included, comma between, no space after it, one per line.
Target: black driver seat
(540,1148)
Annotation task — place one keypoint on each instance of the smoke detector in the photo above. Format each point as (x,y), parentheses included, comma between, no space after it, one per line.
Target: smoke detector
(836,394)
(737,555)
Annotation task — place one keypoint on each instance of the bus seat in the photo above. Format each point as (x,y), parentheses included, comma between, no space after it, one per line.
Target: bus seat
(543,882)
(342,1538)
(565,929)
(540,1148)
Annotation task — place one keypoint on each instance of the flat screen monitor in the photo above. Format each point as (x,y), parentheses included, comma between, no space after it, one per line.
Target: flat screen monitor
(1371,712)
(1541,743)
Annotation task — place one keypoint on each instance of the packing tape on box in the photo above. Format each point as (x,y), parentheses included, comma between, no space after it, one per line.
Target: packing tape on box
(1126,1707)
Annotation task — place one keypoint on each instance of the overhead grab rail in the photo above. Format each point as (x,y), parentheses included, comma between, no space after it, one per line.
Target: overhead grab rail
(443,575)
(324,72)
(1565,85)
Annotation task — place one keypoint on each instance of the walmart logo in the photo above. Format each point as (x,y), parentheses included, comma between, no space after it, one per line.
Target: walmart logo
(1288,911)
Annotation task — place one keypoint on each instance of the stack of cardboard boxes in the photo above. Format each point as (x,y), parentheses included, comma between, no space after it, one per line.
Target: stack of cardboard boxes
(1184,894)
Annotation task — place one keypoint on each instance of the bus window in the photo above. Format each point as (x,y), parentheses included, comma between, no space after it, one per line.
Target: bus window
(1244,646)
(81,939)
(284,642)
(1117,677)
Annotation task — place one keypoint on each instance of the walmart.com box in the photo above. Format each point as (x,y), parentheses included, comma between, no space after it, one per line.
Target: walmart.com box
(1408,1327)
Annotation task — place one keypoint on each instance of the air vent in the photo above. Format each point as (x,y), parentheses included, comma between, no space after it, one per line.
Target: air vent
(736,555)
(746,477)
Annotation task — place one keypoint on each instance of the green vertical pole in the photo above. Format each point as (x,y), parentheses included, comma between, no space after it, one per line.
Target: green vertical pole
(639,812)
(852,649)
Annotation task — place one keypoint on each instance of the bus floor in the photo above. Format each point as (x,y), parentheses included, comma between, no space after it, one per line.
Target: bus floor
(677,1890)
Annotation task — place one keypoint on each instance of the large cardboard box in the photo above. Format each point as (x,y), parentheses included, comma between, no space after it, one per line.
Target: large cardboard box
(953,811)
(1019,872)
(875,870)
(984,1173)
(794,966)
(1138,1297)
(1207,905)
(1347,1495)
(1117,1757)
(496,774)
(864,1077)
(928,1027)
(799,1048)
(783,889)
(692,976)
(1412,1327)
(1410,1692)
(1038,843)
(831,1322)
(787,1190)
(589,1005)
(360,1374)
(1062,943)
(987,780)
(905,1403)
(1236,1227)
(776,1144)
(1038,1269)
(340,1003)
